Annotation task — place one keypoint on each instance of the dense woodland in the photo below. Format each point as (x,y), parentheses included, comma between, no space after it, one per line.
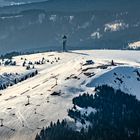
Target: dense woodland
(117,117)
(10,55)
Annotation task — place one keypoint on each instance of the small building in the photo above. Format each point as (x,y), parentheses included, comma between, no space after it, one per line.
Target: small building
(89,62)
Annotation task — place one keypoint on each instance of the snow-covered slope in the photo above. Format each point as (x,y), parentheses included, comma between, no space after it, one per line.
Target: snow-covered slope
(125,78)
(134,45)
(62,77)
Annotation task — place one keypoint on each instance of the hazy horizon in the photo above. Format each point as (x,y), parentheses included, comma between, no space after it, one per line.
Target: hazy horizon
(16,2)
(95,24)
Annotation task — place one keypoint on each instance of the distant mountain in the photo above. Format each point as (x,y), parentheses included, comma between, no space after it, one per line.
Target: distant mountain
(72,5)
(87,23)
(16,2)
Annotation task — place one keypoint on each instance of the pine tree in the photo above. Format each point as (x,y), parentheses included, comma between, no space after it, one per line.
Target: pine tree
(37,137)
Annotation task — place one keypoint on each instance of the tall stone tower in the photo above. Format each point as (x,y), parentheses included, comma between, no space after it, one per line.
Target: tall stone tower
(64,43)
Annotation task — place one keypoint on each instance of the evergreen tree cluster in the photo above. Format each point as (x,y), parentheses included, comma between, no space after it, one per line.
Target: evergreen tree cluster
(58,131)
(9,62)
(117,117)
(10,55)
(11,79)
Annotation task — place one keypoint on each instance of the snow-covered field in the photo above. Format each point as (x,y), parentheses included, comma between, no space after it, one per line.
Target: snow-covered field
(134,45)
(66,75)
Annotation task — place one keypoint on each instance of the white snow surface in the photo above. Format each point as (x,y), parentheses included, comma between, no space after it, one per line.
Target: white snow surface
(86,111)
(116,26)
(134,45)
(96,35)
(72,81)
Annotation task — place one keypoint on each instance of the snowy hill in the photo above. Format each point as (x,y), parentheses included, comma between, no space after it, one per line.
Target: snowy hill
(61,77)
(125,78)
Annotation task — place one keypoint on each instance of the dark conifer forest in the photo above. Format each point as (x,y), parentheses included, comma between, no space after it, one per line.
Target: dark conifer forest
(117,117)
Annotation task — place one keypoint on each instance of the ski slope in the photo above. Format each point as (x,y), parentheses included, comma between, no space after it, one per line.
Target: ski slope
(67,77)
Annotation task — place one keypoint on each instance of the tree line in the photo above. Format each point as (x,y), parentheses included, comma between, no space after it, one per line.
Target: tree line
(117,117)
